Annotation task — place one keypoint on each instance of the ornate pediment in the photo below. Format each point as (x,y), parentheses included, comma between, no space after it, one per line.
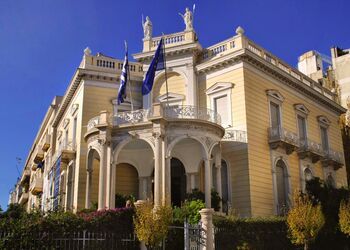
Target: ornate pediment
(323,120)
(301,108)
(219,86)
(275,94)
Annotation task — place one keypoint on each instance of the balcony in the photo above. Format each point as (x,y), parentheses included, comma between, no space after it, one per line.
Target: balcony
(45,143)
(66,152)
(25,176)
(235,135)
(23,198)
(38,155)
(170,113)
(280,137)
(36,186)
(333,158)
(310,149)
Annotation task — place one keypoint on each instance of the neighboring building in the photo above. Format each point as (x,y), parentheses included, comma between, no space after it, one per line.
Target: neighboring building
(236,118)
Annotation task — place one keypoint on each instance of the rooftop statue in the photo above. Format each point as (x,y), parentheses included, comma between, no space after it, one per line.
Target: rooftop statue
(188,19)
(147,28)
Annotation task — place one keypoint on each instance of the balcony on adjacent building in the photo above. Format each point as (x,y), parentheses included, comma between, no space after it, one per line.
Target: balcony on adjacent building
(23,198)
(333,158)
(281,137)
(25,176)
(45,143)
(38,155)
(310,149)
(36,185)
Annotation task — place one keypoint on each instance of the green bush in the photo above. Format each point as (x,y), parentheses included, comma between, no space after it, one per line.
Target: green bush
(199,195)
(189,211)
(251,233)
(330,236)
(121,199)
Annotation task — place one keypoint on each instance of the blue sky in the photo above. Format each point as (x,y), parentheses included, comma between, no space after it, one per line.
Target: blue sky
(42,43)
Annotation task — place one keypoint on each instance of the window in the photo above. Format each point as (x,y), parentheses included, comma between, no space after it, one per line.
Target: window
(220,107)
(224,186)
(301,127)
(74,132)
(282,187)
(66,139)
(308,174)
(220,101)
(330,181)
(324,139)
(275,115)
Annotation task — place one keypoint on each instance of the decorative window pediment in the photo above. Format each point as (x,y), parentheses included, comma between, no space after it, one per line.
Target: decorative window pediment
(172,97)
(74,109)
(275,94)
(65,123)
(323,120)
(219,86)
(301,108)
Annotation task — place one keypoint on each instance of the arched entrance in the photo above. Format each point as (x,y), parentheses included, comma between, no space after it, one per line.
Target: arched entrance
(93,175)
(127,181)
(282,186)
(178,182)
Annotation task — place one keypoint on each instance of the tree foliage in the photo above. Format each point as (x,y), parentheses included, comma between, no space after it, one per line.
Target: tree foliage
(151,223)
(189,211)
(304,220)
(344,217)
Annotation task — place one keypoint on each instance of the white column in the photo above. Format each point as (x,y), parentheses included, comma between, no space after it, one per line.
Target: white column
(165,170)
(108,177)
(191,89)
(157,171)
(143,188)
(208,228)
(207,183)
(101,183)
(88,187)
(167,181)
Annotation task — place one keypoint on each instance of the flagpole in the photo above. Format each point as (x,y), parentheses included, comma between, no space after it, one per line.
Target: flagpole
(129,78)
(165,74)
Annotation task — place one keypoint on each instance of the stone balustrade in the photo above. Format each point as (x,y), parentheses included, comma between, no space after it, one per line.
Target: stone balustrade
(235,135)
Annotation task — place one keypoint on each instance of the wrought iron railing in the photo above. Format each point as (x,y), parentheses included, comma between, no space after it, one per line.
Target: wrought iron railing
(235,135)
(282,134)
(136,116)
(312,146)
(192,112)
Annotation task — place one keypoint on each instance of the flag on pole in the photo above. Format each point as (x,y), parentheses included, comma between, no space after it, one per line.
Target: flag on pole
(123,78)
(156,64)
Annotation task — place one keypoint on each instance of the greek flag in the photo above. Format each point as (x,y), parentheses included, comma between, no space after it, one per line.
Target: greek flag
(123,78)
(156,64)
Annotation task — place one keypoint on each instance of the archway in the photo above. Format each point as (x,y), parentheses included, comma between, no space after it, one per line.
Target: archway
(93,175)
(126,183)
(282,186)
(178,182)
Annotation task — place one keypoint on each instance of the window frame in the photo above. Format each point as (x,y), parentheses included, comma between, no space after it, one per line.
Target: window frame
(275,97)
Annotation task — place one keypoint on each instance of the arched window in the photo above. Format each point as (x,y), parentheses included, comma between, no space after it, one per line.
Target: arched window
(308,174)
(224,186)
(282,187)
(330,180)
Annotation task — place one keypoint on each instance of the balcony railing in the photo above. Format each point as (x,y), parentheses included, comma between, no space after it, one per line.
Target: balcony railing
(38,155)
(192,112)
(25,176)
(333,158)
(136,116)
(66,151)
(311,149)
(23,198)
(281,137)
(36,185)
(167,112)
(45,143)
(235,135)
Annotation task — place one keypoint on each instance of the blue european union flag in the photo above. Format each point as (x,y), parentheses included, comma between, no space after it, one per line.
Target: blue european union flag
(157,63)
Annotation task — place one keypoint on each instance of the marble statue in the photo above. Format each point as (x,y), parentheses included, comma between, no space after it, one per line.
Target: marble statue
(188,19)
(147,28)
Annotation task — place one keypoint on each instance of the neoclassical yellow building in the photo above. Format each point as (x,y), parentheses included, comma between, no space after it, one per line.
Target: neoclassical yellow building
(236,118)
